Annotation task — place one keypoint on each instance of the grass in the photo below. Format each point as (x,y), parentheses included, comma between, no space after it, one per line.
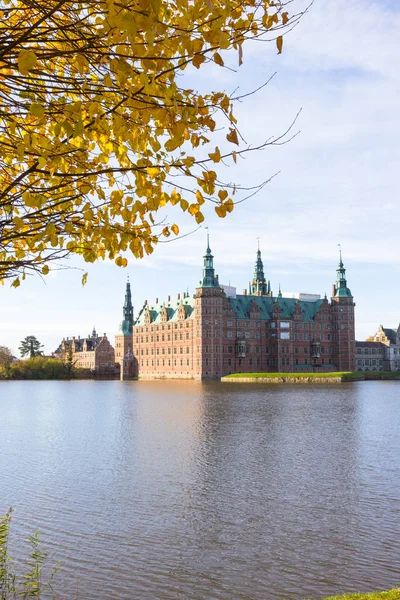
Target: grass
(285,375)
(389,595)
(344,375)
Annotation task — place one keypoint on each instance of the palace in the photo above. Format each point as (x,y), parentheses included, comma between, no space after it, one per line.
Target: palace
(217,332)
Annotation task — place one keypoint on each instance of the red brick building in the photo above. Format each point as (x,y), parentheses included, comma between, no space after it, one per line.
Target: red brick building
(212,333)
(94,352)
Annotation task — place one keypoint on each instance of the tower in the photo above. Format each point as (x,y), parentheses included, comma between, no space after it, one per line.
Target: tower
(259,285)
(128,308)
(342,303)
(209,279)
(124,338)
(209,301)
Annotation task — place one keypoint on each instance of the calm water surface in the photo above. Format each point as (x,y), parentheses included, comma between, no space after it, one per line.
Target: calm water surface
(184,490)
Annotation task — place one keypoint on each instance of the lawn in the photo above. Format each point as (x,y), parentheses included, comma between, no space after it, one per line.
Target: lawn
(390,595)
(344,375)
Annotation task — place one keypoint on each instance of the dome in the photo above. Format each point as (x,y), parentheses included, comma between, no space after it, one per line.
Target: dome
(125,328)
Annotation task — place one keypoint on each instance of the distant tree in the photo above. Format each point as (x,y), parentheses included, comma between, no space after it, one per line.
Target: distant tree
(30,346)
(6,359)
(69,361)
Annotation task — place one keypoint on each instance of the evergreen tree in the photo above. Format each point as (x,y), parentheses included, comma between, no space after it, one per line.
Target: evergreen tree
(30,346)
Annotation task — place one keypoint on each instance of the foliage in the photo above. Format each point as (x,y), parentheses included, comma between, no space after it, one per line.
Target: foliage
(98,130)
(6,359)
(30,345)
(31,584)
(41,367)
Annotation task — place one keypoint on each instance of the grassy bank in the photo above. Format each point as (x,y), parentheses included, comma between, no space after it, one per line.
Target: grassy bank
(42,367)
(389,595)
(339,376)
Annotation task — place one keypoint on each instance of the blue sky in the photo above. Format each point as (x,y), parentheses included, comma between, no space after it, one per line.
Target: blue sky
(337,184)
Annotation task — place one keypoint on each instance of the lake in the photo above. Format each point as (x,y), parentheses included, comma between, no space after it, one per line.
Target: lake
(191,490)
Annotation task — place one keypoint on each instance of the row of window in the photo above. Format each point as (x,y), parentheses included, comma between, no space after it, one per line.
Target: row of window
(157,338)
(149,329)
(147,351)
(163,363)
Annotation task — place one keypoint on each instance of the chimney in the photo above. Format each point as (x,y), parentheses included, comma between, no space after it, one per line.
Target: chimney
(333,290)
(169,298)
(179,296)
(67,339)
(244,292)
(79,337)
(145,303)
(73,337)
(104,335)
(156,300)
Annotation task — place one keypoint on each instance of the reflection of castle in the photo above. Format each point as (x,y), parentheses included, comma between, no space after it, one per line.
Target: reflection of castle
(217,332)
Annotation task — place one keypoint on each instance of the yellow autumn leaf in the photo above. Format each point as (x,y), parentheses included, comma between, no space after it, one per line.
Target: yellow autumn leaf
(229,205)
(37,110)
(199,217)
(198,60)
(175,229)
(218,59)
(26,61)
(45,269)
(279,44)
(215,156)
(221,211)
(153,171)
(233,137)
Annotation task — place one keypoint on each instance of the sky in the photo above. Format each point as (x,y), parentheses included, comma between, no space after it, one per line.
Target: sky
(337,183)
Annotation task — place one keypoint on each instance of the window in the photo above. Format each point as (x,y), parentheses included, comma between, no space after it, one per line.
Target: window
(229,323)
(285,325)
(285,335)
(273,324)
(230,334)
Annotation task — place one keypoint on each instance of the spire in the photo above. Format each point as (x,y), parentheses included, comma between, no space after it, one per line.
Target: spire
(341,289)
(209,278)
(340,255)
(280,293)
(127,309)
(259,285)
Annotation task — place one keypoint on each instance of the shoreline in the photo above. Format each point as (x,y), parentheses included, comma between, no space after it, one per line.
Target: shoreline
(307,378)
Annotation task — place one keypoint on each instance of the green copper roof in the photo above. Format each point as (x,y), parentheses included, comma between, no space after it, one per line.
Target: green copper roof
(209,278)
(342,291)
(172,309)
(259,284)
(241,307)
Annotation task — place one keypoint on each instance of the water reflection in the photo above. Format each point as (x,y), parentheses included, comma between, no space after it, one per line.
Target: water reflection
(191,490)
